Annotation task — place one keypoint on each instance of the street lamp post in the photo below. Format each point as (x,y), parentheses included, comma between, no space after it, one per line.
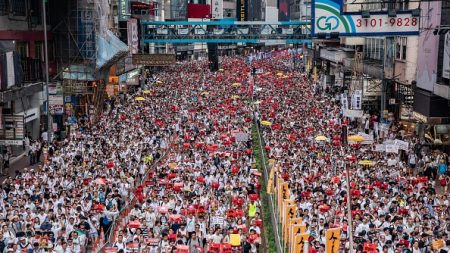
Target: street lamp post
(49,121)
(349,205)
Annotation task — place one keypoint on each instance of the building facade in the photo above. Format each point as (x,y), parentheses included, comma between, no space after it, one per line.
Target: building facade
(22,72)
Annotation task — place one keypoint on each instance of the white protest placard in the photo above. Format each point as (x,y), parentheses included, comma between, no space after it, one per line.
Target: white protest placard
(240,136)
(216,220)
(368,138)
(402,145)
(353,113)
(380,148)
(391,148)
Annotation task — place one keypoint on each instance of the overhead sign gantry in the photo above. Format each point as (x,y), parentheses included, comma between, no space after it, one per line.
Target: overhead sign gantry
(226,31)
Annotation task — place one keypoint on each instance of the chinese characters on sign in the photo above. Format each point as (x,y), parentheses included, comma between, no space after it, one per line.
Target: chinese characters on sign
(133,39)
(217,9)
(154,59)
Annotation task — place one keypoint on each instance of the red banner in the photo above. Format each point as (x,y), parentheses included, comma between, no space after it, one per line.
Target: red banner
(199,11)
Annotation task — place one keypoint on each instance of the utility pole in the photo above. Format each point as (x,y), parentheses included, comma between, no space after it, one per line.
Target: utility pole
(49,119)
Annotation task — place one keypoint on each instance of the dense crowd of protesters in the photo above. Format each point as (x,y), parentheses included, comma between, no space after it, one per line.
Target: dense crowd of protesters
(201,193)
(173,171)
(399,202)
(205,191)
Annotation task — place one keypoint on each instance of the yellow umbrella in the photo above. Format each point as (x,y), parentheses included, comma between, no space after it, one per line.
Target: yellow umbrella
(366,163)
(236,84)
(235,97)
(147,92)
(266,123)
(204,93)
(279,74)
(172,165)
(321,138)
(139,98)
(356,138)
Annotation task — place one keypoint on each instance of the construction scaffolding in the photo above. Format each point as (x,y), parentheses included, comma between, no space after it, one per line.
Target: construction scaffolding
(80,28)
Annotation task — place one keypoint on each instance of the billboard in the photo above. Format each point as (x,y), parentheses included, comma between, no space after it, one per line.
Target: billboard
(199,11)
(242,10)
(429,46)
(283,10)
(217,9)
(154,59)
(328,17)
(446,57)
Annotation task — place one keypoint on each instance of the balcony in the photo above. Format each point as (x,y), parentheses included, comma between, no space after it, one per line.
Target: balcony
(32,70)
(29,83)
(372,68)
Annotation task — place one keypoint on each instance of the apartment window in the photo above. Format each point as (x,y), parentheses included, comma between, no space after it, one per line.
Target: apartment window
(19,7)
(22,49)
(39,50)
(35,11)
(374,48)
(401,5)
(400,48)
(3,7)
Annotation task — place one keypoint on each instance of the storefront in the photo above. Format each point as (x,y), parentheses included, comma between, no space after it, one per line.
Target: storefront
(130,81)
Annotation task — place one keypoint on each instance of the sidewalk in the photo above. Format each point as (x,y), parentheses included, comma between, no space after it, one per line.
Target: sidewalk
(17,164)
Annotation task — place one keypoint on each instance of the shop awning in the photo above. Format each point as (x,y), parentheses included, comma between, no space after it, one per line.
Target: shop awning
(109,49)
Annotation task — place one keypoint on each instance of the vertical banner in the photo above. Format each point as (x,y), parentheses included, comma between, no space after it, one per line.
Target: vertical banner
(389,57)
(124,10)
(285,190)
(429,45)
(333,240)
(344,101)
(291,214)
(241,10)
(300,242)
(133,39)
(357,100)
(279,195)
(10,74)
(446,57)
(283,10)
(217,9)
(295,228)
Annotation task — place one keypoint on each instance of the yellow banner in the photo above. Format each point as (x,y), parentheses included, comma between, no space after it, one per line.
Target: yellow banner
(269,189)
(290,214)
(333,240)
(285,205)
(272,162)
(271,174)
(286,191)
(296,227)
(299,242)
(279,196)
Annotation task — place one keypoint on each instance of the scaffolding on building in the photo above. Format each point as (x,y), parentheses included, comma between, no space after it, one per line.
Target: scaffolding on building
(76,51)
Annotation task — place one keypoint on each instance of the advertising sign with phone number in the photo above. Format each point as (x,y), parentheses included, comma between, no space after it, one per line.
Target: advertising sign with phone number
(328,18)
